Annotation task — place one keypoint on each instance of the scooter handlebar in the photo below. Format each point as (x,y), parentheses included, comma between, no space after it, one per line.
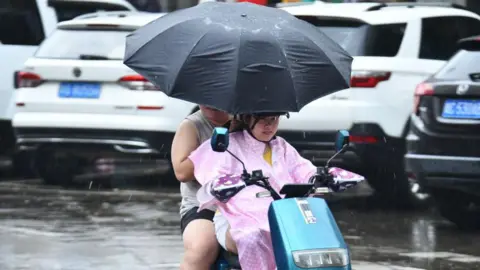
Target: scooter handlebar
(326,180)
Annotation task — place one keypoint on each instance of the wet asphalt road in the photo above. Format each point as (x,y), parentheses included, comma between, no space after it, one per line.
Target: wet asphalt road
(52,228)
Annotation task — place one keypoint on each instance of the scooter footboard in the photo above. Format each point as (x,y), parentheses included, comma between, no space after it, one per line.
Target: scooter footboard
(305,235)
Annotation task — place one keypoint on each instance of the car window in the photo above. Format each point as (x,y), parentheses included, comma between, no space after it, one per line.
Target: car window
(462,66)
(440,35)
(84,44)
(347,33)
(359,38)
(20,23)
(384,39)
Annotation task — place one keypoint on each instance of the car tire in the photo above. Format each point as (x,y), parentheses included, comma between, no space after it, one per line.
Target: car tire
(456,207)
(393,185)
(23,165)
(54,170)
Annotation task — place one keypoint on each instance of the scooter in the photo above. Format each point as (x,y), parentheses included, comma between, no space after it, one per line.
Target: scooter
(303,230)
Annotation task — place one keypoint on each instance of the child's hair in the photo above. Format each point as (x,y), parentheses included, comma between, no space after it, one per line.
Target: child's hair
(239,122)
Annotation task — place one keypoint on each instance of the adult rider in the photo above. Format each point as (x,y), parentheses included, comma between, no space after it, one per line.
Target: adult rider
(198,231)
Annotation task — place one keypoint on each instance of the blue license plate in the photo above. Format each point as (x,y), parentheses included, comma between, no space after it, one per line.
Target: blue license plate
(461,109)
(79,90)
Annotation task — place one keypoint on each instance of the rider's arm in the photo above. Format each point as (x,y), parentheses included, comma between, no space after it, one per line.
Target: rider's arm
(210,165)
(184,142)
(300,169)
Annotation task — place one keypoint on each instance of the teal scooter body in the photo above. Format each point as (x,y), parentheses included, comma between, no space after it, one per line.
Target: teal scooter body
(302,229)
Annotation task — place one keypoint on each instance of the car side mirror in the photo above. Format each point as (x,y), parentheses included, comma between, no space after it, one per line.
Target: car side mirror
(342,141)
(219,140)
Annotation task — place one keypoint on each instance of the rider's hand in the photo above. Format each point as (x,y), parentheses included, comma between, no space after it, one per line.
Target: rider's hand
(227,186)
(321,179)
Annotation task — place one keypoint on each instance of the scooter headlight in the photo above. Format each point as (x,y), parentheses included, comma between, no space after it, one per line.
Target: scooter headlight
(316,258)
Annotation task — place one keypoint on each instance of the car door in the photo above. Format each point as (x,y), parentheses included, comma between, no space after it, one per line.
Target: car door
(21,31)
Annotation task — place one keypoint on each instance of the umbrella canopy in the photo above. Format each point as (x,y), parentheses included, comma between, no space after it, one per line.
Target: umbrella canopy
(238,57)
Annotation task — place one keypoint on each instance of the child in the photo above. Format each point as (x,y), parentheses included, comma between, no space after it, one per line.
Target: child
(258,147)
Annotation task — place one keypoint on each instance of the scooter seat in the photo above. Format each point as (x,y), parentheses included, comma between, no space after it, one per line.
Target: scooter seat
(231,258)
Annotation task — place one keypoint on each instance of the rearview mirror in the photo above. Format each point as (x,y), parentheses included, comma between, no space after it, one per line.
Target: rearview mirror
(342,139)
(219,140)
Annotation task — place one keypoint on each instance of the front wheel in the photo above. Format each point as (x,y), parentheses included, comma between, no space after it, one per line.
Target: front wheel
(458,207)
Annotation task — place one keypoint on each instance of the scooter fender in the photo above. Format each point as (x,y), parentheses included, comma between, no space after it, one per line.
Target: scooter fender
(303,224)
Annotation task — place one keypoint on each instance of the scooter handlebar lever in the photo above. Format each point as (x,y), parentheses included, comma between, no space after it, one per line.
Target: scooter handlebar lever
(323,178)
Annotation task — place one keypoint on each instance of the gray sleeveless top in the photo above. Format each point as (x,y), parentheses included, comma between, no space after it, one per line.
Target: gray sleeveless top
(189,190)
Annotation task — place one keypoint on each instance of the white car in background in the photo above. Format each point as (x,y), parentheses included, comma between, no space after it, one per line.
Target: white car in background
(81,111)
(24,24)
(395,47)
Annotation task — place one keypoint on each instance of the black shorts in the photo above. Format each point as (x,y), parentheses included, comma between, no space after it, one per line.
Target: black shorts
(192,214)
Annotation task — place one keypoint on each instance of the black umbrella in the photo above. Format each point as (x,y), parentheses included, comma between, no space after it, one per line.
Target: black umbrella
(238,57)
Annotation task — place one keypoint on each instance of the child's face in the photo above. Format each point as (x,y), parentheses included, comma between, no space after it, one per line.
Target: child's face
(265,127)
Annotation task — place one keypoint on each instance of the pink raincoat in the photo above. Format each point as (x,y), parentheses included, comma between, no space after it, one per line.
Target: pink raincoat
(246,214)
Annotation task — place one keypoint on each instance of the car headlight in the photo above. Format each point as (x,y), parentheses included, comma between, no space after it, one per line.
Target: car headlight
(316,258)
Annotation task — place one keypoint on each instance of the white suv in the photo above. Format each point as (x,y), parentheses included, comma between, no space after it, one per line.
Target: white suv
(81,111)
(395,47)
(24,24)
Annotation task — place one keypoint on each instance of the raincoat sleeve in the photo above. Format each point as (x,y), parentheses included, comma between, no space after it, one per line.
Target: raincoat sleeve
(208,166)
(299,168)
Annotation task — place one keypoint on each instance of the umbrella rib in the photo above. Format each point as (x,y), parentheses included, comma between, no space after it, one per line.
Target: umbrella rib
(148,41)
(188,57)
(327,57)
(238,66)
(289,69)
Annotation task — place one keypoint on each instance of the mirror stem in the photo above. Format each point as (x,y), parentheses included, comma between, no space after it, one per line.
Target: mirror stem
(335,155)
(244,173)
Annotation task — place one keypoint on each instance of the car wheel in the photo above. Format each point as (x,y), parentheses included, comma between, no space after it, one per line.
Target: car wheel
(394,186)
(55,170)
(23,166)
(459,208)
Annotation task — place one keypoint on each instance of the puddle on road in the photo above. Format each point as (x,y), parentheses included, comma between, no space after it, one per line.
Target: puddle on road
(70,230)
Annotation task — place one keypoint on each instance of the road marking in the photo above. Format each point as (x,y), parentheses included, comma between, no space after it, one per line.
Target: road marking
(449,256)
(363,265)
(28,231)
(352,237)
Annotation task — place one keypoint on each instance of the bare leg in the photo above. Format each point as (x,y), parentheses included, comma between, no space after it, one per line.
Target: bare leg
(201,245)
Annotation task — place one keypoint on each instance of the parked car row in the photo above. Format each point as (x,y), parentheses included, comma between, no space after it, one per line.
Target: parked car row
(79,110)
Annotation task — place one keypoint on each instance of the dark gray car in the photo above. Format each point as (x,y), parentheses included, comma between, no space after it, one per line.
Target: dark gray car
(443,144)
